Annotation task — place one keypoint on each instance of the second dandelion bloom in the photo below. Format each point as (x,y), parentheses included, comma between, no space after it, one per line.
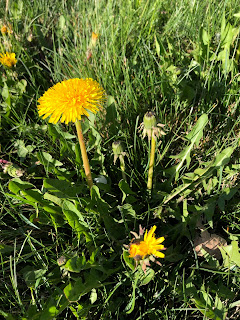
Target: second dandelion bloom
(69,100)
(140,248)
(8,59)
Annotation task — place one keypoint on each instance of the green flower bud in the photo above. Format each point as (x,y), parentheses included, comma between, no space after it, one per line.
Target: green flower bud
(14,171)
(117,148)
(149,120)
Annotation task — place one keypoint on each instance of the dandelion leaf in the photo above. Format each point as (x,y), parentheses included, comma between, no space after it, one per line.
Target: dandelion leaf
(193,137)
(231,255)
(16,184)
(75,219)
(209,308)
(114,229)
(200,175)
(7,316)
(34,277)
(226,195)
(146,277)
(126,190)
(129,261)
(61,188)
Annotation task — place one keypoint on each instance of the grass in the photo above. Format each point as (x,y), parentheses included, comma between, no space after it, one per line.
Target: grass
(61,248)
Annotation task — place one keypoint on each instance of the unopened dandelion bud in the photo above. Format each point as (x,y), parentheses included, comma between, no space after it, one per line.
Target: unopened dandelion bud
(117,147)
(118,151)
(13,170)
(149,120)
(149,125)
(152,130)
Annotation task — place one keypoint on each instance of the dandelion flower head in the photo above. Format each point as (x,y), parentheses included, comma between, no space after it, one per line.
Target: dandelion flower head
(95,36)
(150,245)
(8,59)
(4,29)
(69,100)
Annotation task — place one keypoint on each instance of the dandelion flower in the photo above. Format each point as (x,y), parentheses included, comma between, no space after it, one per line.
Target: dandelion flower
(69,100)
(4,29)
(95,36)
(92,45)
(150,245)
(8,59)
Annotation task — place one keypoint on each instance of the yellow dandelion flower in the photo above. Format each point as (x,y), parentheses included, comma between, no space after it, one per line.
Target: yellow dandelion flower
(95,36)
(136,251)
(4,29)
(69,100)
(8,59)
(148,246)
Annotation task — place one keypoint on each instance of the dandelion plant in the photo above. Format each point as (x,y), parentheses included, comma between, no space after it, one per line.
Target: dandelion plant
(70,100)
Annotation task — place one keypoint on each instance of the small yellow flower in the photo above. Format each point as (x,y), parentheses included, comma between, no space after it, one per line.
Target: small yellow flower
(4,29)
(150,245)
(92,45)
(69,100)
(8,59)
(95,36)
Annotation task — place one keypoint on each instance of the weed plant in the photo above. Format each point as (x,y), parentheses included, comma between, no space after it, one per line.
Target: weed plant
(62,245)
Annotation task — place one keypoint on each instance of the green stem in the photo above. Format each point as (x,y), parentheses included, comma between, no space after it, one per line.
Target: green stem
(122,166)
(84,154)
(151,162)
(6,7)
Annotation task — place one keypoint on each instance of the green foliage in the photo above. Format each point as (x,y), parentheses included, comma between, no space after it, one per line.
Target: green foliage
(193,137)
(62,246)
(231,255)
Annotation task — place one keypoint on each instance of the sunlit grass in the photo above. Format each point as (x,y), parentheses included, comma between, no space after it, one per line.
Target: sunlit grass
(178,59)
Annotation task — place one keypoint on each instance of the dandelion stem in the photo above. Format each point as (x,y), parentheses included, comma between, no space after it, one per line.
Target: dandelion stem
(151,162)
(7,4)
(84,154)
(122,167)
